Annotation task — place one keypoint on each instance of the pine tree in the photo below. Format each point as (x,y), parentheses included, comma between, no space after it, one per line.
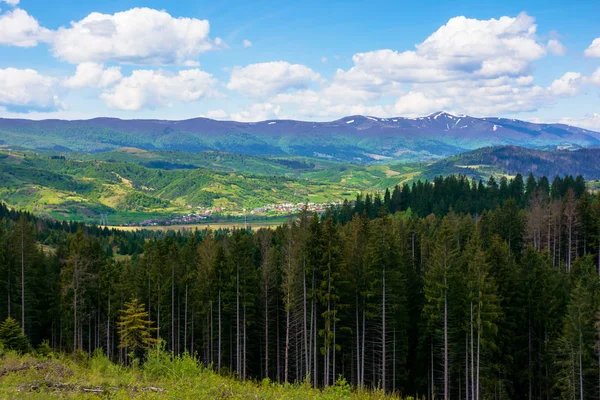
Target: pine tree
(11,336)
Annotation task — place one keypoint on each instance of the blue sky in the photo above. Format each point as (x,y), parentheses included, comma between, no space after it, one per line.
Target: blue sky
(534,60)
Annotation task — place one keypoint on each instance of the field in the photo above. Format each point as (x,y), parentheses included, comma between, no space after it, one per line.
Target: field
(161,376)
(253,224)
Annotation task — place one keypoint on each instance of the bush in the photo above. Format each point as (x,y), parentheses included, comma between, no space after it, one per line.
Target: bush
(160,364)
(44,350)
(12,338)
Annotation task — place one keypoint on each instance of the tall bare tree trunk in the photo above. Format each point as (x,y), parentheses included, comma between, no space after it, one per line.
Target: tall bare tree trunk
(333,372)
(466,366)
(446,394)
(237,316)
(394,364)
(364,335)
(304,300)
(287,342)
(75,288)
(108,329)
(22,277)
(185,319)
(220,334)
(478,349)
(358,374)
(158,312)
(472,357)
(8,290)
(244,347)
(383,337)
(266,330)
(173,308)
(432,373)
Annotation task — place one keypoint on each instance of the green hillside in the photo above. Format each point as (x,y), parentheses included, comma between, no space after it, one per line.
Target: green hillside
(137,184)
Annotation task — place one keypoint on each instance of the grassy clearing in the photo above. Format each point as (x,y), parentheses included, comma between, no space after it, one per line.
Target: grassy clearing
(162,376)
(270,223)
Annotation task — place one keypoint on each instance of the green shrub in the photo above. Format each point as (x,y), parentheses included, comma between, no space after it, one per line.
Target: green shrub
(44,350)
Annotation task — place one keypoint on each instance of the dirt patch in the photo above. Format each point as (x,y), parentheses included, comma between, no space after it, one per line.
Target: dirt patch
(48,367)
(58,387)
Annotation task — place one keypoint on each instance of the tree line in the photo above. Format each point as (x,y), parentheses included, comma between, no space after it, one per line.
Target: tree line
(451,289)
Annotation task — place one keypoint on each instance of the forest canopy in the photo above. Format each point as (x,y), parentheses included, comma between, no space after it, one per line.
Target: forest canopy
(452,288)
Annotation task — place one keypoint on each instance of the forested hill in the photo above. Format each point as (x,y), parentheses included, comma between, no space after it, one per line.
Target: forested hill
(511,160)
(504,303)
(358,139)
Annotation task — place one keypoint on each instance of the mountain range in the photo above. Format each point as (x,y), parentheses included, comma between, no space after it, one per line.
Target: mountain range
(356,139)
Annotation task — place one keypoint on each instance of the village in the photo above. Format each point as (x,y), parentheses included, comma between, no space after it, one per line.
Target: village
(212,214)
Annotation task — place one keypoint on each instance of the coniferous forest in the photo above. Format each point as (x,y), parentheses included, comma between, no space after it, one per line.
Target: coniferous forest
(446,289)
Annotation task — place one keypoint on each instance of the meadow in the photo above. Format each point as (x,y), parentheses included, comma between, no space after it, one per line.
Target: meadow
(160,376)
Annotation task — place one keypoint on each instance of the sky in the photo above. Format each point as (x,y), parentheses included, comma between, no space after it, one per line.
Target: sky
(304,60)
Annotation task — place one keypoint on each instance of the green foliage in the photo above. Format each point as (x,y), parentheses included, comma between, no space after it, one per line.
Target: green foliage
(134,327)
(11,336)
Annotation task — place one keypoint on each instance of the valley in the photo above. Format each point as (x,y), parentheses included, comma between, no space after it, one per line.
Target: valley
(135,187)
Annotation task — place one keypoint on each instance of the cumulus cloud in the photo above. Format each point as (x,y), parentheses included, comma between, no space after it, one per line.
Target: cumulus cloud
(415,104)
(594,49)
(152,89)
(136,36)
(555,47)
(93,75)
(594,79)
(589,121)
(524,80)
(17,28)
(566,85)
(26,89)
(465,59)
(463,48)
(258,112)
(269,78)
(10,2)
(215,114)
(247,43)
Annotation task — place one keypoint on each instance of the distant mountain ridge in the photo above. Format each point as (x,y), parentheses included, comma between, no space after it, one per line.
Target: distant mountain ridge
(511,160)
(356,138)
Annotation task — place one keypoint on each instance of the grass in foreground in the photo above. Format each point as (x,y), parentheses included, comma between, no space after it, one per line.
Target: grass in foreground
(161,376)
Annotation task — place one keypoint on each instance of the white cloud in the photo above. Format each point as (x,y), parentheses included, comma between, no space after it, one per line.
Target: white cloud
(566,85)
(524,80)
(258,112)
(137,36)
(93,75)
(589,121)
(215,114)
(415,104)
(152,89)
(247,43)
(555,47)
(11,2)
(477,67)
(594,49)
(26,89)
(464,48)
(270,78)
(595,78)
(17,28)
(323,60)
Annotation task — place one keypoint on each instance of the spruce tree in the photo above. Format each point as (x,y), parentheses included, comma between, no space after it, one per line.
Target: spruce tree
(11,336)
